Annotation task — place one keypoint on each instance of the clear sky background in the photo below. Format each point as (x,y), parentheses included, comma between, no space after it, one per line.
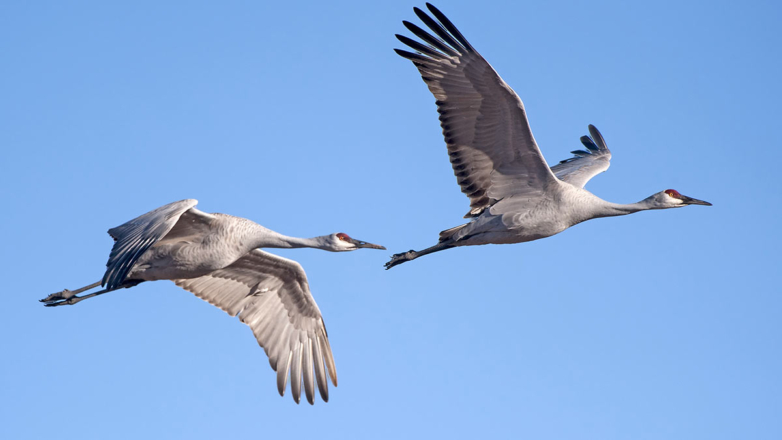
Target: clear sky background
(298,115)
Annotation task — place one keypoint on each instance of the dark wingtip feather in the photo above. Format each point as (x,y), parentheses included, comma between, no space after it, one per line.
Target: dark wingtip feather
(450,27)
(435,42)
(587,141)
(438,29)
(419,47)
(597,137)
(414,57)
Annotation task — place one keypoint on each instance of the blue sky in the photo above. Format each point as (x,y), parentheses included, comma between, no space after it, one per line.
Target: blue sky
(298,115)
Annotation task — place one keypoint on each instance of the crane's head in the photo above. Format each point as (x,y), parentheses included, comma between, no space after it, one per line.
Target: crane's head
(670,198)
(341,242)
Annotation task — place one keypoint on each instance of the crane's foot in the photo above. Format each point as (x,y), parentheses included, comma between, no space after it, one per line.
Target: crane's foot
(401,258)
(68,297)
(64,298)
(72,299)
(67,301)
(59,296)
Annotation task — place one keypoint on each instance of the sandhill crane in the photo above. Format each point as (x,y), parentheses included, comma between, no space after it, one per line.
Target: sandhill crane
(216,257)
(514,195)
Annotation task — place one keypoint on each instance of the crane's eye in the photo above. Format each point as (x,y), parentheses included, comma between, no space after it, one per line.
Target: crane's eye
(673,193)
(342,236)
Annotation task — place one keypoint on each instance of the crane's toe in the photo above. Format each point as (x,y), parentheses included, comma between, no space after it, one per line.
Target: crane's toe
(59,296)
(73,299)
(65,302)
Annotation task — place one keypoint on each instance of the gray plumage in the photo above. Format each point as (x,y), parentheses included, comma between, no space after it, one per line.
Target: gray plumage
(514,195)
(216,257)
(271,295)
(586,164)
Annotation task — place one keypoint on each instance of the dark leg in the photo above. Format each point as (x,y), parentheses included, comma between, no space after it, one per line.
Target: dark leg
(75,299)
(66,294)
(412,255)
(68,297)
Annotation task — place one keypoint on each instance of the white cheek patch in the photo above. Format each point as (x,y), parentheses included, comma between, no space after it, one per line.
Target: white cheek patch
(673,200)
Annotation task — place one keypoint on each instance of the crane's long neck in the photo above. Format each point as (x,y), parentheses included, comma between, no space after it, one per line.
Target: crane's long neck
(608,209)
(266,238)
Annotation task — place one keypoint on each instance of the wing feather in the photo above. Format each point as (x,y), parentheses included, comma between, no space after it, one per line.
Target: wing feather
(329,358)
(134,237)
(309,379)
(320,371)
(282,375)
(296,373)
(271,295)
(434,42)
(586,164)
(490,144)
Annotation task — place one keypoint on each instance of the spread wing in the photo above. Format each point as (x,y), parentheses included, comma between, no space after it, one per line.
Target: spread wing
(271,295)
(588,163)
(133,238)
(490,143)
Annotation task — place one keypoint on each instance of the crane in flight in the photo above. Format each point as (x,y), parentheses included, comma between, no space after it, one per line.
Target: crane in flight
(514,195)
(216,257)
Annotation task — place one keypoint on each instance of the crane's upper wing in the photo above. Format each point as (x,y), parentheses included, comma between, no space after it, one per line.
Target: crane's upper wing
(133,238)
(588,163)
(490,143)
(271,295)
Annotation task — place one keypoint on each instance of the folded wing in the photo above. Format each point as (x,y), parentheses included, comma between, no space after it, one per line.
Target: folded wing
(133,238)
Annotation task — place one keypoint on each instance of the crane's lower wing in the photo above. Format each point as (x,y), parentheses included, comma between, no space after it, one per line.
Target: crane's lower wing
(588,163)
(272,296)
(133,238)
(490,143)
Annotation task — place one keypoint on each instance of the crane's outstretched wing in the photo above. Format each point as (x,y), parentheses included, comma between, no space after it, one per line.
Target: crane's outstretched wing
(133,238)
(588,163)
(490,143)
(272,296)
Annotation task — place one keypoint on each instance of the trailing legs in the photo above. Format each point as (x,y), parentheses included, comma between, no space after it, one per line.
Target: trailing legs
(68,297)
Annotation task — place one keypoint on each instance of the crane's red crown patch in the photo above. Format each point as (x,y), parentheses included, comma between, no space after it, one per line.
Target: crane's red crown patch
(673,193)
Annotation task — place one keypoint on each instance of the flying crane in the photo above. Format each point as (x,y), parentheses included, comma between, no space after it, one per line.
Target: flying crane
(514,196)
(216,257)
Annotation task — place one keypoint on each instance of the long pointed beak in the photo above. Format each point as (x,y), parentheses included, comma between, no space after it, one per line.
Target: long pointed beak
(691,201)
(363,244)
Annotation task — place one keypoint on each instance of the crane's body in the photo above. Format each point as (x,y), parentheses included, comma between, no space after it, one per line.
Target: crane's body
(515,220)
(216,257)
(195,248)
(519,219)
(514,196)
(181,256)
